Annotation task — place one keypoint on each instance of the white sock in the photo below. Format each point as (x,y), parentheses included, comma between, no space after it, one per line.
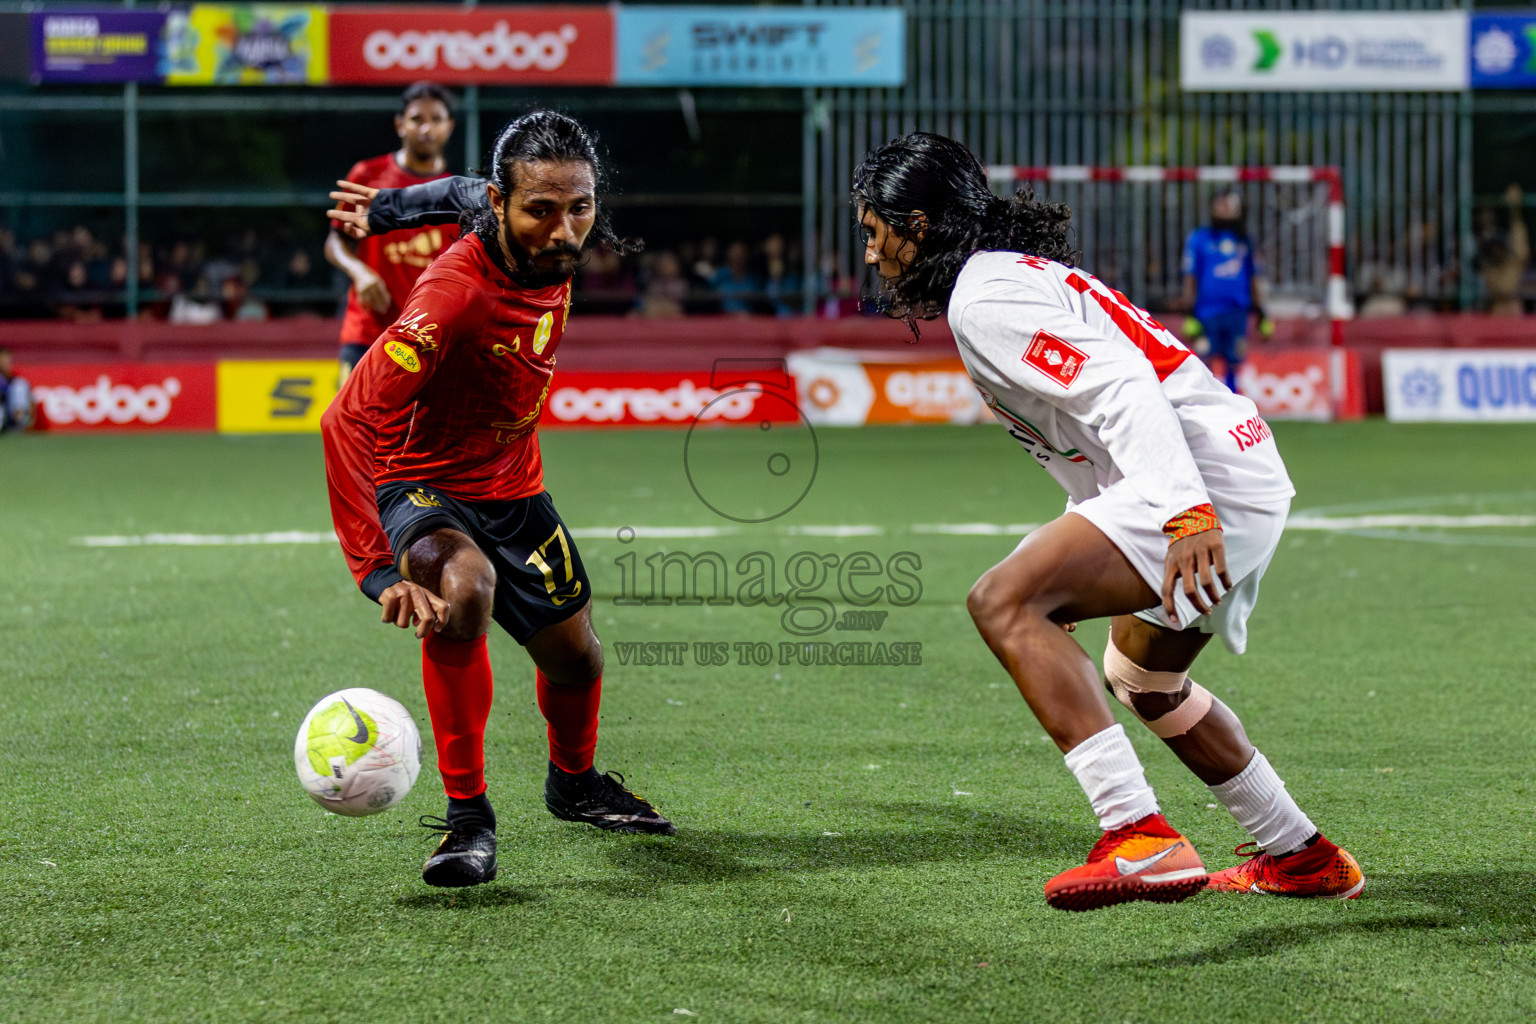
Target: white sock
(1110,773)
(1258,800)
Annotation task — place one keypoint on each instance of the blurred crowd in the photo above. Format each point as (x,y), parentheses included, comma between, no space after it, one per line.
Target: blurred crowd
(733,278)
(75,275)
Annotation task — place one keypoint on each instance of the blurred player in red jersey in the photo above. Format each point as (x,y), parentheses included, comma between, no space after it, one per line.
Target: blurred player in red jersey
(437,484)
(1177,499)
(383,271)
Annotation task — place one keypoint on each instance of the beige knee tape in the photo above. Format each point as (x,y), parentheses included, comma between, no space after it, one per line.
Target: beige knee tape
(1126,679)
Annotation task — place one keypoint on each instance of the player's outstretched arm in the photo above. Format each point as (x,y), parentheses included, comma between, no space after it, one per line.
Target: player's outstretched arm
(408,604)
(351,217)
(379,211)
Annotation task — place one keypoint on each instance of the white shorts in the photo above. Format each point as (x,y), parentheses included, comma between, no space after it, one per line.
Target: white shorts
(1250,534)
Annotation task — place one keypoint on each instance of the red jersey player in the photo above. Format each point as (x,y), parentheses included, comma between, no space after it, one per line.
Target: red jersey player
(437,493)
(1177,499)
(383,271)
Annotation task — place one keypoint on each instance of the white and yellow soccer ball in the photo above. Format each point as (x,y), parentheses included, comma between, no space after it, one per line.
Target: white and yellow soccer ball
(358,752)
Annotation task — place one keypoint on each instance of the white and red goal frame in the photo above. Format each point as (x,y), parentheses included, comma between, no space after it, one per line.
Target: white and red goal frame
(1337,303)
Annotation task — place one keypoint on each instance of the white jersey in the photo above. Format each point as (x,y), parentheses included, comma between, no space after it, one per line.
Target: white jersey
(1101,394)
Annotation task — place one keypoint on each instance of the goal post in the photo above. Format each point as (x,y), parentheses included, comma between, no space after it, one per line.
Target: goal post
(1336,302)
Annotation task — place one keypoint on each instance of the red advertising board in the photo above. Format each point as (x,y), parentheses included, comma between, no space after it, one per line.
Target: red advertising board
(662,399)
(1304,384)
(482,45)
(124,396)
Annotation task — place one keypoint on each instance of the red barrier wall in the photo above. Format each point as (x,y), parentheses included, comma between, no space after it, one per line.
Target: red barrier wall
(596,344)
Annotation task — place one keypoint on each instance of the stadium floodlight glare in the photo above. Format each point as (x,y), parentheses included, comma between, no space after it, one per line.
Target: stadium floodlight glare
(1337,303)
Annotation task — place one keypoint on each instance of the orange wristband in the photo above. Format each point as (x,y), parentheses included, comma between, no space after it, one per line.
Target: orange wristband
(1191,521)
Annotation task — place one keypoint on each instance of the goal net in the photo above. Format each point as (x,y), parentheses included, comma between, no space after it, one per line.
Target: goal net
(1131,224)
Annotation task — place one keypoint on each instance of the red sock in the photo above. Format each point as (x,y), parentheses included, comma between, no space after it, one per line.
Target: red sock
(572,715)
(457,678)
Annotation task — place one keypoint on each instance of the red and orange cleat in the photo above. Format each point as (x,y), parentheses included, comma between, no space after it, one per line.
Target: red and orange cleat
(1322,871)
(1145,860)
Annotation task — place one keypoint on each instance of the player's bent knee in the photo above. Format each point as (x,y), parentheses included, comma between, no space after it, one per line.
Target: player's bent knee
(577,668)
(469,587)
(1128,680)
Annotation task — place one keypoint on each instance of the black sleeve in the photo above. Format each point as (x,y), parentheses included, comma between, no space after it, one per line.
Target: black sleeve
(435,202)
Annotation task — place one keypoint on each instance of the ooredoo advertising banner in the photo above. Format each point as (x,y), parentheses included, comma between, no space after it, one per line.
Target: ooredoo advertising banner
(1318,384)
(246,44)
(1323,51)
(486,45)
(662,400)
(124,396)
(761,46)
(83,45)
(1459,384)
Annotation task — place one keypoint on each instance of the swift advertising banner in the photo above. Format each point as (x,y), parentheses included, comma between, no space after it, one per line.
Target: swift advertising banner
(1503,51)
(1459,384)
(1323,51)
(263,396)
(250,44)
(760,46)
(124,396)
(97,46)
(485,45)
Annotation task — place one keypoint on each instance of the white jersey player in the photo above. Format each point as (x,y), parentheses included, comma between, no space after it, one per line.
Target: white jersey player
(1177,497)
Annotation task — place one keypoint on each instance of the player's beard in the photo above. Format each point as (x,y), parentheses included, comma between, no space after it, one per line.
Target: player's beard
(1232,224)
(551,265)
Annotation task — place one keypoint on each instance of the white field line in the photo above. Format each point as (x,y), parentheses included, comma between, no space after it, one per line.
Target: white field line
(653,532)
(1383,524)
(976,529)
(207,540)
(854,530)
(1404,521)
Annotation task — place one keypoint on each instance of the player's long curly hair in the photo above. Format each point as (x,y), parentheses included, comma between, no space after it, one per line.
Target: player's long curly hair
(546,136)
(943,179)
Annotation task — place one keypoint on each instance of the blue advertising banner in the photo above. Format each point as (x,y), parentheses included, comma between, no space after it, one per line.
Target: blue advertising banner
(760,46)
(72,45)
(1503,51)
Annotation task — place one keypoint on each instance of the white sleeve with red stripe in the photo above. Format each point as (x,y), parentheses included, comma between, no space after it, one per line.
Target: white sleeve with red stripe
(1022,334)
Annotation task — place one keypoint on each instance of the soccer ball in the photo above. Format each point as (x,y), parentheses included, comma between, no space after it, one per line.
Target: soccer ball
(358,752)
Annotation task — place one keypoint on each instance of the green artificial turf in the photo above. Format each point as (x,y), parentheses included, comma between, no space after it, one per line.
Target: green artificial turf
(855,843)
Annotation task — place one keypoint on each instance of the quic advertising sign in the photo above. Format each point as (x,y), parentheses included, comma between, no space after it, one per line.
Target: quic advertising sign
(124,396)
(532,45)
(1326,51)
(1459,384)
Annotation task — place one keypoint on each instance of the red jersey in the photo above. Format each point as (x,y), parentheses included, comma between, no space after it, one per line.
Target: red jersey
(449,395)
(398,257)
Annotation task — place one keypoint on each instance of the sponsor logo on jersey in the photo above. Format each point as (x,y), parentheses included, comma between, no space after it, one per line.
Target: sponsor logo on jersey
(1057,359)
(403,355)
(499,349)
(411,327)
(542,333)
(424,499)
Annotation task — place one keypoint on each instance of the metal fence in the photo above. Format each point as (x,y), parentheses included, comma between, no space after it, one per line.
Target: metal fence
(1039,82)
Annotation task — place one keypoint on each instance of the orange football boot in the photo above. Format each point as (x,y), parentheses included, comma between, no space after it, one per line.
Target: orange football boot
(1322,871)
(1145,860)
